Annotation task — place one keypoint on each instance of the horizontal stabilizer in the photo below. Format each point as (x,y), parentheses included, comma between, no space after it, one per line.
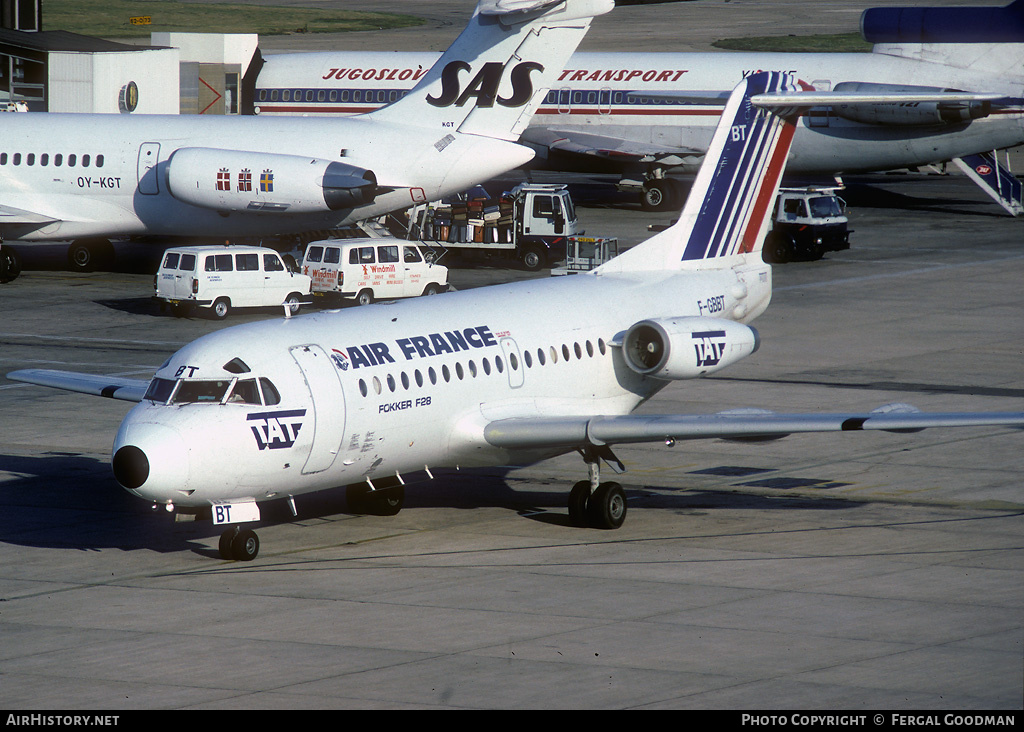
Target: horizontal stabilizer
(112,387)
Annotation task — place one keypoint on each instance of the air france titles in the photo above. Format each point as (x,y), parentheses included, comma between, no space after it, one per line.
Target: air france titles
(420,346)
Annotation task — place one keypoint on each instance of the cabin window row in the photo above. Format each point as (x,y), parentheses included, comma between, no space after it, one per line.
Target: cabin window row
(58,160)
(369,96)
(470,370)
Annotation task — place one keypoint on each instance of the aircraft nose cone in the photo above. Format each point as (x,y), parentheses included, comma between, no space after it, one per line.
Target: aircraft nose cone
(152,461)
(131,467)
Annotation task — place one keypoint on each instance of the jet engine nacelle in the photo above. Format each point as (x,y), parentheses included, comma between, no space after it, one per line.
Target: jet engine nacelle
(908,114)
(236,180)
(686,347)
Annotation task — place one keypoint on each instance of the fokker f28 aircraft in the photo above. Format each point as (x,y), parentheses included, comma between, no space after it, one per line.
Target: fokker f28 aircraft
(940,84)
(377,396)
(87,176)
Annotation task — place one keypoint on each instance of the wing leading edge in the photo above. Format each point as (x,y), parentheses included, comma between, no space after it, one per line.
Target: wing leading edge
(112,387)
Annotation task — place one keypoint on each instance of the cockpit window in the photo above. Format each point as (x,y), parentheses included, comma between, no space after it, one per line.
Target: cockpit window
(245,392)
(270,394)
(203,392)
(160,390)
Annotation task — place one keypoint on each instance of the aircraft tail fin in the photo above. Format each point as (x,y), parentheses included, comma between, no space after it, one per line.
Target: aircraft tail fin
(498,71)
(727,211)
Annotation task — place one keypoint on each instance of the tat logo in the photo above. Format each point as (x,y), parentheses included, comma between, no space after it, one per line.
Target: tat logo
(709,345)
(276,430)
(484,86)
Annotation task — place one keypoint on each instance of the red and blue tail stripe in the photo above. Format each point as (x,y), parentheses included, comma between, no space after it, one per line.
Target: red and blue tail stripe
(734,190)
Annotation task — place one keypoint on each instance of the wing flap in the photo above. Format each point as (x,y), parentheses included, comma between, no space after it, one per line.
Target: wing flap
(570,432)
(112,387)
(605,146)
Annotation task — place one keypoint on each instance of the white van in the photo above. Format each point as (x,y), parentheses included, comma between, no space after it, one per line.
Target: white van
(365,270)
(225,277)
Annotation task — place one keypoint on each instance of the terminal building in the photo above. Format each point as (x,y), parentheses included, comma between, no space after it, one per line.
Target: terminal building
(60,71)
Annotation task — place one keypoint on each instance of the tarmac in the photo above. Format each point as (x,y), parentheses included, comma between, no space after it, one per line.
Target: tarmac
(859,572)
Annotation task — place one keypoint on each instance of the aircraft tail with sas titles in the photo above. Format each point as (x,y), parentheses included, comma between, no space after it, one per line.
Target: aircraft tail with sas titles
(498,71)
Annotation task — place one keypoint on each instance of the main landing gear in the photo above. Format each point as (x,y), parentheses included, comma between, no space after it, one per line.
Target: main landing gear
(593,503)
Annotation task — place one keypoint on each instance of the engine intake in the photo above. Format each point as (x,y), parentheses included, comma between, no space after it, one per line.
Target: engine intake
(686,347)
(236,180)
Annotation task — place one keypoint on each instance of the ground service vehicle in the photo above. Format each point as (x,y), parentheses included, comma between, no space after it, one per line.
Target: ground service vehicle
(365,270)
(584,253)
(528,224)
(224,277)
(806,223)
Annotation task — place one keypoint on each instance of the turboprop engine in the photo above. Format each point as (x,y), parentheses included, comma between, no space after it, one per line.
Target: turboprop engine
(686,347)
(908,113)
(236,180)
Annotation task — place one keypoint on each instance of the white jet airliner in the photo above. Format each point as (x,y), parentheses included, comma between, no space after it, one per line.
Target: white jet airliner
(641,114)
(88,176)
(375,396)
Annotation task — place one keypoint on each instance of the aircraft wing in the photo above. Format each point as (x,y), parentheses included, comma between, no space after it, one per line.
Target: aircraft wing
(834,98)
(12,215)
(112,387)
(585,431)
(572,140)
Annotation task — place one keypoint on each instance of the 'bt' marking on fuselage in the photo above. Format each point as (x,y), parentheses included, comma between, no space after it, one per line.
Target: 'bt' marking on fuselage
(421,346)
(276,430)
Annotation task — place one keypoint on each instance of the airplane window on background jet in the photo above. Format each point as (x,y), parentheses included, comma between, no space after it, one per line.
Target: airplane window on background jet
(565,352)
(44,159)
(58,160)
(344,95)
(321,95)
(273,95)
(17,158)
(3,158)
(263,95)
(309,95)
(271,396)
(578,350)
(85,161)
(333,96)
(590,349)
(72,160)
(30,159)
(286,95)
(99,161)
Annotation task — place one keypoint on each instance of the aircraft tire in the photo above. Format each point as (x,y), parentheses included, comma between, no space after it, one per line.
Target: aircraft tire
(660,195)
(578,497)
(85,255)
(606,508)
(384,502)
(10,265)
